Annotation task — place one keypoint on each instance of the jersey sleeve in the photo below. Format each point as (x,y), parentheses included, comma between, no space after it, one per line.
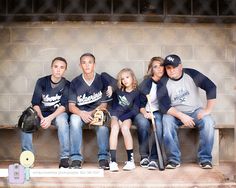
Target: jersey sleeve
(65,95)
(72,93)
(37,95)
(203,82)
(108,80)
(144,89)
(163,96)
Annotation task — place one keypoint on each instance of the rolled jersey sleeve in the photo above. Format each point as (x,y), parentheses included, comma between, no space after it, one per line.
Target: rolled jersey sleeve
(72,93)
(65,95)
(163,96)
(37,95)
(203,82)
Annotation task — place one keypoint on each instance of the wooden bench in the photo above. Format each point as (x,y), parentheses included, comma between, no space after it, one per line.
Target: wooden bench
(216,147)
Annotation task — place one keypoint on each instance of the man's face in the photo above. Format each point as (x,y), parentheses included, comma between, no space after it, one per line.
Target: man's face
(58,68)
(87,64)
(174,72)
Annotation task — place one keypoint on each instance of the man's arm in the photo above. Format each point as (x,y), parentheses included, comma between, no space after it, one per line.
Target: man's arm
(184,118)
(208,109)
(46,121)
(86,116)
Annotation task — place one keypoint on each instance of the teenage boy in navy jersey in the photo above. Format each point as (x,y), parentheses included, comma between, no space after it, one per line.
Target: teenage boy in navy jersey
(50,100)
(85,95)
(184,107)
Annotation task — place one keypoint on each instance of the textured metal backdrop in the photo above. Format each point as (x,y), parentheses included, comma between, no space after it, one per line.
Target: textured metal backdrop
(109,10)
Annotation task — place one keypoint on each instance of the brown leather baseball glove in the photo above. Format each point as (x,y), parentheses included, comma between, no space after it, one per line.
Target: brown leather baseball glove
(101,117)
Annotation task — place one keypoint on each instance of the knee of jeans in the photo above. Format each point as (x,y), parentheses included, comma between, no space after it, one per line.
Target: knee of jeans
(142,123)
(167,119)
(61,119)
(75,121)
(208,122)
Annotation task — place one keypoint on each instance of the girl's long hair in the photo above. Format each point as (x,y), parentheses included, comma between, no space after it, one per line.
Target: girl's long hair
(119,82)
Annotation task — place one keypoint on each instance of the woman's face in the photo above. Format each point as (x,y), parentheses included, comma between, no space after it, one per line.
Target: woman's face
(157,69)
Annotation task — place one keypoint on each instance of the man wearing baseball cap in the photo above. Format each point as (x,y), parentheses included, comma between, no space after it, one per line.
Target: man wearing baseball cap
(184,107)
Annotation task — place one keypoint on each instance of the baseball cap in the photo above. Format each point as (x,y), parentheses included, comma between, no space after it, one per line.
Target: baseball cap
(172,60)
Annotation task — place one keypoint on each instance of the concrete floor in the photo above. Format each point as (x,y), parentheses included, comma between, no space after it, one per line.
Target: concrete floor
(188,175)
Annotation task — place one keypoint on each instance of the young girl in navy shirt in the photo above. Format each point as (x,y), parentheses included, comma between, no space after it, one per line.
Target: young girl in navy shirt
(124,108)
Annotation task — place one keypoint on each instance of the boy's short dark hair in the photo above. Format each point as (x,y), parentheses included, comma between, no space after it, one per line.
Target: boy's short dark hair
(59,59)
(87,54)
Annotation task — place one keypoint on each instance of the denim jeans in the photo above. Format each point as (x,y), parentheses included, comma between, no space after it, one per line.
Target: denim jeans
(76,136)
(61,122)
(206,136)
(143,128)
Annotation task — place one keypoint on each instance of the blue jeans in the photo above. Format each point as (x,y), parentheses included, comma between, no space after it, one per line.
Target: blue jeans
(76,136)
(206,136)
(143,128)
(61,122)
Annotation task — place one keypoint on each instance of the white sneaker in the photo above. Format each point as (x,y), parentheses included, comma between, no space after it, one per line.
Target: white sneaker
(129,165)
(113,167)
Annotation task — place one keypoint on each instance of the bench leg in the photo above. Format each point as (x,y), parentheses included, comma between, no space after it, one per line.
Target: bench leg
(216,148)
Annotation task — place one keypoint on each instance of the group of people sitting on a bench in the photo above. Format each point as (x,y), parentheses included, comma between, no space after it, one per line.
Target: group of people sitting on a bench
(174,101)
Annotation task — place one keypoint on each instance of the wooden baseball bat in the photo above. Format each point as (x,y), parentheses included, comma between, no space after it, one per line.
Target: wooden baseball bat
(160,159)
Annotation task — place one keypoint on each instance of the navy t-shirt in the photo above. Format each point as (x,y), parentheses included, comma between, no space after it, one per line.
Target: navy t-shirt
(125,104)
(49,98)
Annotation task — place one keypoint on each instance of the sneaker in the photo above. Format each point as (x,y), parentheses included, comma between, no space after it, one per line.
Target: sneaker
(113,167)
(104,164)
(76,164)
(172,165)
(64,163)
(206,165)
(152,165)
(129,165)
(144,162)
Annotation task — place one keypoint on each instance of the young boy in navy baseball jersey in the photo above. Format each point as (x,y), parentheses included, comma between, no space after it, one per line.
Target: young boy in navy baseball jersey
(184,107)
(86,94)
(50,100)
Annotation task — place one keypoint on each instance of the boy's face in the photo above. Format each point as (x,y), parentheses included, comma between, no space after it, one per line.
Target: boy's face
(174,72)
(87,64)
(58,68)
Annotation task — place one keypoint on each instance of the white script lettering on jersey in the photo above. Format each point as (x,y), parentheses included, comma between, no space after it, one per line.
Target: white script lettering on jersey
(181,95)
(83,99)
(50,101)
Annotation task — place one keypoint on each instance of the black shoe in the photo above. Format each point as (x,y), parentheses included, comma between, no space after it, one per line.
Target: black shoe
(144,162)
(172,165)
(64,163)
(152,165)
(206,165)
(76,164)
(104,164)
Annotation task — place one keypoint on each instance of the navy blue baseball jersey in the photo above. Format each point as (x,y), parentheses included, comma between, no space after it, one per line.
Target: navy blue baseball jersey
(183,93)
(87,96)
(125,104)
(49,98)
